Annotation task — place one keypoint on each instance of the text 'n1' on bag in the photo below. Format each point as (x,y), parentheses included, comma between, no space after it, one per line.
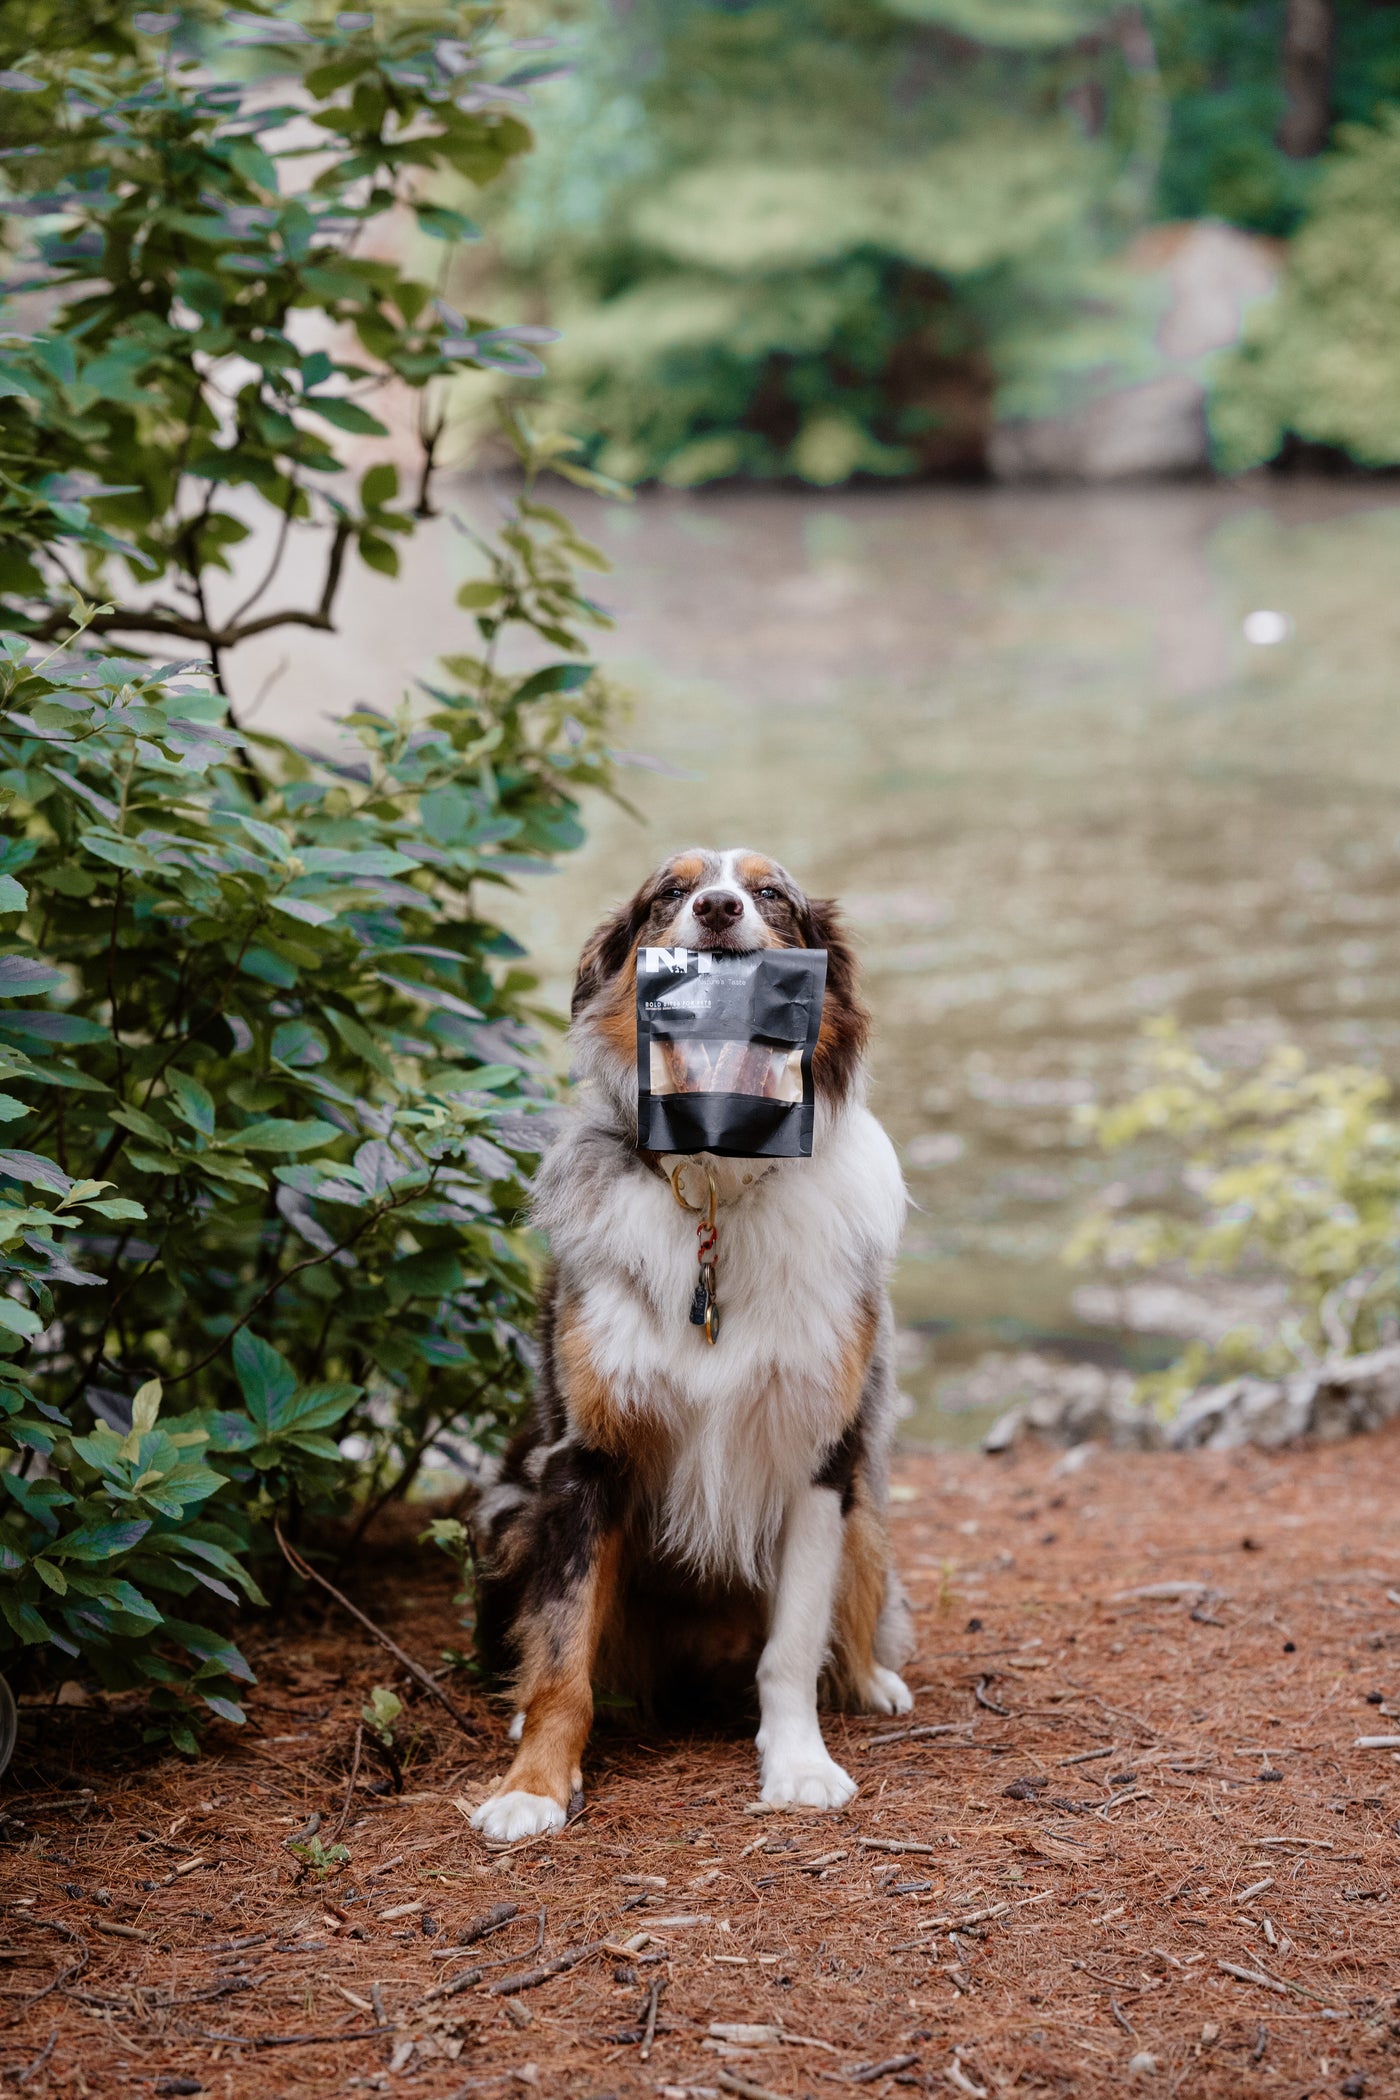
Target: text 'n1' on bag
(724,1050)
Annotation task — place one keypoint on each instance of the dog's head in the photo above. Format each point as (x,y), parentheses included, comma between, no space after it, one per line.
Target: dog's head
(728,902)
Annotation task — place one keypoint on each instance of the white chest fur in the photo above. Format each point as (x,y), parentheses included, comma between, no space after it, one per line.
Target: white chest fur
(801,1251)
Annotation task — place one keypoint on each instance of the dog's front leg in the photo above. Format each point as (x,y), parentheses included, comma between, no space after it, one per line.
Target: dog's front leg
(793,1761)
(576,1551)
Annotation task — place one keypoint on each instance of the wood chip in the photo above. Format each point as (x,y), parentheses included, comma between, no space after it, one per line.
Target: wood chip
(1377,1742)
(122,1932)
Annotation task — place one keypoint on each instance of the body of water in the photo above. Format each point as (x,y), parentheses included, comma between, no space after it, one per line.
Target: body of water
(1024,738)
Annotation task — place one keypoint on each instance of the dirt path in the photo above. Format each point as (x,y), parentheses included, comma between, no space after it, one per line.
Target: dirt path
(1136,1790)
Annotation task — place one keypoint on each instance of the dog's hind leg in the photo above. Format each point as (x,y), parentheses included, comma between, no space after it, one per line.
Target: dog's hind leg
(870,1630)
(793,1762)
(574,1560)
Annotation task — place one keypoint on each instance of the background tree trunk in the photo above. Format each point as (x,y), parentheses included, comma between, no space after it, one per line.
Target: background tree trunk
(1309,35)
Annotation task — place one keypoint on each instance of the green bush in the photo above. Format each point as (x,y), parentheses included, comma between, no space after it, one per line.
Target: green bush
(271,1070)
(1321,360)
(1283,1170)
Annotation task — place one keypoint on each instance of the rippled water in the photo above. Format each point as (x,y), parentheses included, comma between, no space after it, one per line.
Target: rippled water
(1023,737)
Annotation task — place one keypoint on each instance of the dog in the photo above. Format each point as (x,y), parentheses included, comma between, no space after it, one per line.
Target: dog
(678,1514)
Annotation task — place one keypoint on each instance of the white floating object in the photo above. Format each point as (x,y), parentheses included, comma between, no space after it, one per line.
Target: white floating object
(1265,628)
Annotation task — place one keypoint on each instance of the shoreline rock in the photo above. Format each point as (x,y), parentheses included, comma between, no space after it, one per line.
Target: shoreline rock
(1348,1396)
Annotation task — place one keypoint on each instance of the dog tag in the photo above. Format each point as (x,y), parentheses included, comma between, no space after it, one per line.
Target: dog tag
(699,1305)
(712,1322)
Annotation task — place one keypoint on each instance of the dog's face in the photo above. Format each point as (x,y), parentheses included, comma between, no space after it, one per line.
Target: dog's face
(729,902)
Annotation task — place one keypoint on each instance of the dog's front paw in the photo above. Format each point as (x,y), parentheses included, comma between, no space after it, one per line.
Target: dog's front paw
(887,1693)
(806,1782)
(507,1817)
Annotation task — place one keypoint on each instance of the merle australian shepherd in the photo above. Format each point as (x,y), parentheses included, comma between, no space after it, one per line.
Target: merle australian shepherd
(680,1514)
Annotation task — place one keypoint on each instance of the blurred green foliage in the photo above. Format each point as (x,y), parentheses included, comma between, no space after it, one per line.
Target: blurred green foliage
(1321,361)
(1283,1170)
(1223,82)
(812,236)
(271,1075)
(827,237)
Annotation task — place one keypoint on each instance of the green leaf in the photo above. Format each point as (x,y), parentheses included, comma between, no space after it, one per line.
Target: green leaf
(94,1542)
(193,1103)
(24,1621)
(345,415)
(22,977)
(18,1319)
(11,1110)
(281,1134)
(13,895)
(555,678)
(379,486)
(267,1379)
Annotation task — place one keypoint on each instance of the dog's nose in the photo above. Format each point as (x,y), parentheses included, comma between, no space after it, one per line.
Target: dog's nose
(717,907)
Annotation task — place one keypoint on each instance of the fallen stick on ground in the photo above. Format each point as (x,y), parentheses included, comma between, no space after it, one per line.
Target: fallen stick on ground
(649,2030)
(494,1920)
(415,1670)
(908,1735)
(506,1986)
(1265,1983)
(298,2041)
(343,1818)
(894,1845)
(866,2074)
(733,2083)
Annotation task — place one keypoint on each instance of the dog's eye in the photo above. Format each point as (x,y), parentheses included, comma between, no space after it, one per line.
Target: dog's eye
(769,891)
(665,896)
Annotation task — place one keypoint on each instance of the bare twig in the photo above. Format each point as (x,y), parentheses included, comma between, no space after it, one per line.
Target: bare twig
(343,1818)
(649,2030)
(415,1670)
(506,1986)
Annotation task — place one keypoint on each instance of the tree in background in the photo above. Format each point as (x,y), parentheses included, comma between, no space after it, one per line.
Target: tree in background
(824,238)
(270,1069)
(1320,362)
(814,236)
(1254,88)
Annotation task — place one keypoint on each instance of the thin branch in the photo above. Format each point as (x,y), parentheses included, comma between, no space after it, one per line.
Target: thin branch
(312,1261)
(415,1670)
(163,619)
(293,488)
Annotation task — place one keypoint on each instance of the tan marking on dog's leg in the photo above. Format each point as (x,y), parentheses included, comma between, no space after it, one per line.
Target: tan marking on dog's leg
(855,1676)
(555,1688)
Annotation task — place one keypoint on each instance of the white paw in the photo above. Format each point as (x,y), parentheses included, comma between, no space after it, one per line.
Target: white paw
(516,1728)
(507,1817)
(806,1782)
(887,1693)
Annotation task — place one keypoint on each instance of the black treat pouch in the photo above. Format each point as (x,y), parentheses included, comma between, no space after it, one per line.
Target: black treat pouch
(724,1050)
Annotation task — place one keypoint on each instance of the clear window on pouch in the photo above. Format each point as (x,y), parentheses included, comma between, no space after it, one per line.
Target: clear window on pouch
(693,1066)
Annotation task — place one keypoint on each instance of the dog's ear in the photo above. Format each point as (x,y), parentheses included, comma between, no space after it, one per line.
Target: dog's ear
(845,1021)
(822,927)
(606,950)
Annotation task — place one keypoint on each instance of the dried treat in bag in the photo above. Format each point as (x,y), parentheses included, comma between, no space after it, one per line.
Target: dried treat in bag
(724,1050)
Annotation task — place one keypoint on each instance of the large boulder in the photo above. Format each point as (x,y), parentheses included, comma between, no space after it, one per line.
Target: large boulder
(1208,275)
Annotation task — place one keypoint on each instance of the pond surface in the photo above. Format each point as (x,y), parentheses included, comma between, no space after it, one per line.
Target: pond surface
(1024,738)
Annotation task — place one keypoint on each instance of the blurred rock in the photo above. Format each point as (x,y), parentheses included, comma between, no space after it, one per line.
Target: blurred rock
(1209,275)
(1060,1403)
(1338,1400)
